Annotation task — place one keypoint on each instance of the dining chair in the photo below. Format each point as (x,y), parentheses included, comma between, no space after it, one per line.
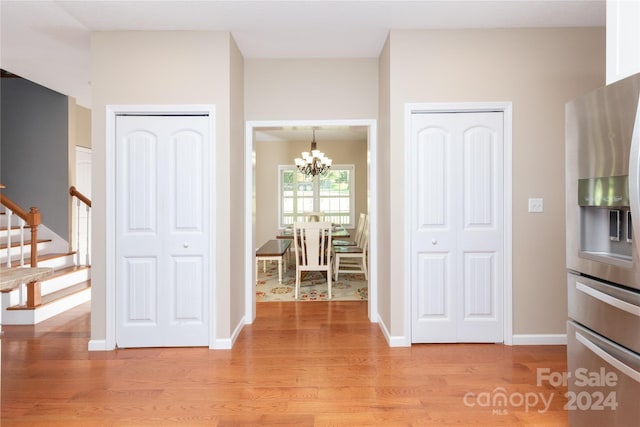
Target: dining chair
(312,243)
(352,259)
(358,235)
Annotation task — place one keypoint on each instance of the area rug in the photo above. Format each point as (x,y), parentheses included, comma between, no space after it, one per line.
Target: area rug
(348,287)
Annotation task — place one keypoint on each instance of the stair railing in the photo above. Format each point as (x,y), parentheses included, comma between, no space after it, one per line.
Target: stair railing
(81,200)
(31,219)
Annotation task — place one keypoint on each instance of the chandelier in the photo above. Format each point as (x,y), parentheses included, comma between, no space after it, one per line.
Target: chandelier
(315,162)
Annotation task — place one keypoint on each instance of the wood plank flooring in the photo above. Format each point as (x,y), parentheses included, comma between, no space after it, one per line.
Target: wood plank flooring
(299,364)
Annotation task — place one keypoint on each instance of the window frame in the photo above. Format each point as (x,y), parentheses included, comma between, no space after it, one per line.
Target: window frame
(351,168)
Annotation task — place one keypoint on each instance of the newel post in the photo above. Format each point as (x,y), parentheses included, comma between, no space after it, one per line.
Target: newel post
(34,294)
(34,220)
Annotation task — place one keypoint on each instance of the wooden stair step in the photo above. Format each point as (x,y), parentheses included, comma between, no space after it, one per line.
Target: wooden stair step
(51,255)
(26,243)
(48,256)
(54,296)
(66,270)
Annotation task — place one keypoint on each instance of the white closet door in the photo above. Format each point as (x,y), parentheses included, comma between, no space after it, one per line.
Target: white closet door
(162,231)
(457,227)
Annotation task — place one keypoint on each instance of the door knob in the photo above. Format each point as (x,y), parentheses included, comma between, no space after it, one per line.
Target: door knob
(185,245)
(434,242)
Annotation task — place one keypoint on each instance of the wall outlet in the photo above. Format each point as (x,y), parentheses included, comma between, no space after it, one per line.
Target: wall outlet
(536,205)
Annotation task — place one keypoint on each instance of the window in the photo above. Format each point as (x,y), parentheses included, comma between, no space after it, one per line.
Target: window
(332,194)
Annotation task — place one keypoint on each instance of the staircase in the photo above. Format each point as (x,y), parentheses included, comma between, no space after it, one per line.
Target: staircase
(65,285)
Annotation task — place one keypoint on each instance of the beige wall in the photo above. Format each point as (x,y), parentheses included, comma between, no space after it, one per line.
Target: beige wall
(538,70)
(169,68)
(79,136)
(236,184)
(387,297)
(83,126)
(269,155)
(311,89)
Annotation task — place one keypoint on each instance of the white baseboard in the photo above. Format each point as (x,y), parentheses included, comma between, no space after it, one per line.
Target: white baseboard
(99,345)
(393,341)
(222,344)
(227,343)
(237,330)
(539,339)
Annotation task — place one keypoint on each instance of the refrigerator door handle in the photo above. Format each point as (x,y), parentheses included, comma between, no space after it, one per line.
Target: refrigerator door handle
(625,369)
(634,178)
(608,299)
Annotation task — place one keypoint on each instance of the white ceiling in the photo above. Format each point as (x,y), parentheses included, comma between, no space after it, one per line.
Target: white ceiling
(48,42)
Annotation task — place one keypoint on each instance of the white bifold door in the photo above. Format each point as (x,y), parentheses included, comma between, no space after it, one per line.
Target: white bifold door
(162,231)
(457,227)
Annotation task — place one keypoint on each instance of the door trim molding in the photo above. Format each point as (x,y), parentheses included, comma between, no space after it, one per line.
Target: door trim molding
(112,111)
(249,177)
(466,107)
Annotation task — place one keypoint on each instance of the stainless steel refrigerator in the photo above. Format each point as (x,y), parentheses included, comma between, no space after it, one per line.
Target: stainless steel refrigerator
(603,262)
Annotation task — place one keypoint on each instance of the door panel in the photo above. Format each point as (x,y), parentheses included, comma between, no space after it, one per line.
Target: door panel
(478,289)
(457,205)
(140,183)
(187,170)
(435,297)
(162,248)
(431,164)
(187,286)
(479,177)
(434,273)
(140,285)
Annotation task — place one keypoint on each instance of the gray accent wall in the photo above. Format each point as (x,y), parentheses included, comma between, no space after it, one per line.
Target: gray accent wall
(34,150)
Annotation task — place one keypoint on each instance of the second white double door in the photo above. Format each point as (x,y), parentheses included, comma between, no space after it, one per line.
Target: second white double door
(457,227)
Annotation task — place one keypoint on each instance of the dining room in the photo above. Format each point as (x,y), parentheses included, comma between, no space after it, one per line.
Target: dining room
(285,195)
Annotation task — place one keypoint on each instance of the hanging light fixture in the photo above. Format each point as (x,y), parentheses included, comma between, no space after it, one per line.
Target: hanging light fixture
(315,162)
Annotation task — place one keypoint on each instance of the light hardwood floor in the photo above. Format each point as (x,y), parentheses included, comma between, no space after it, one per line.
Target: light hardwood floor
(299,364)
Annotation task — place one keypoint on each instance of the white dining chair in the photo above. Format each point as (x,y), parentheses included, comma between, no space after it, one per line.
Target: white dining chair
(312,243)
(358,235)
(352,259)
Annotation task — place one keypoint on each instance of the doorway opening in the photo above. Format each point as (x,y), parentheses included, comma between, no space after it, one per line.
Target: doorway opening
(260,131)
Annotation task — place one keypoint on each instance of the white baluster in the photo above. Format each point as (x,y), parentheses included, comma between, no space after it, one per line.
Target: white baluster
(21,223)
(78,231)
(88,247)
(9,214)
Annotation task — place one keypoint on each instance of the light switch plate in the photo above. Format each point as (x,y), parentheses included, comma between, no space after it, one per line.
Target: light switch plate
(536,205)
